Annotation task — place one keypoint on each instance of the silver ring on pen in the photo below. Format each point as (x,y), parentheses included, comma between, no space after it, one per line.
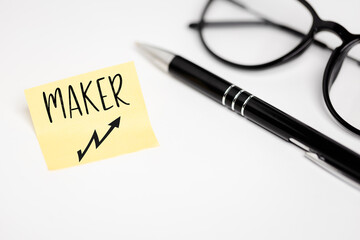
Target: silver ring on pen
(234,100)
(226,93)
(244,105)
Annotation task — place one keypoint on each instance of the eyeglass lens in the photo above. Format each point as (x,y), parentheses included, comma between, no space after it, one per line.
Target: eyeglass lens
(238,31)
(345,92)
(245,32)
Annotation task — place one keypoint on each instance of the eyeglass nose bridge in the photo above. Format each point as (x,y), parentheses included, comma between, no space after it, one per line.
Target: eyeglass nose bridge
(341,51)
(320,25)
(332,27)
(335,63)
(339,54)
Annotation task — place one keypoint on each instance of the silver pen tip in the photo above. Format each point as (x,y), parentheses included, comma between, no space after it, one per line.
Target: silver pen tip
(161,58)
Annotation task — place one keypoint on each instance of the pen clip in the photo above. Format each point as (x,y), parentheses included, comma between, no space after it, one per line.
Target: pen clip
(334,171)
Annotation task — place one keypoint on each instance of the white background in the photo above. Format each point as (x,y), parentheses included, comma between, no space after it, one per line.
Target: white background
(215,174)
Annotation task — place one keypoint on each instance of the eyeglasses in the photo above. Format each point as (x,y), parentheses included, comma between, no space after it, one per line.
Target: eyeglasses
(248,35)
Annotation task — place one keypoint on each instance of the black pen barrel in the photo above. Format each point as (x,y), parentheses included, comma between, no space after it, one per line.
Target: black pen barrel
(288,128)
(198,78)
(267,116)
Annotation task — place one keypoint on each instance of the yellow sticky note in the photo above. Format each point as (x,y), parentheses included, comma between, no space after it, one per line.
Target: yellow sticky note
(90,117)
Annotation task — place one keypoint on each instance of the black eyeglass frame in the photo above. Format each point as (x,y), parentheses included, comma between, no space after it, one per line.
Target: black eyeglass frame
(333,66)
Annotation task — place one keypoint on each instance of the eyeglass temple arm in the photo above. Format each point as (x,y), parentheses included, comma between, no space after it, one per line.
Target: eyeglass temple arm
(196,25)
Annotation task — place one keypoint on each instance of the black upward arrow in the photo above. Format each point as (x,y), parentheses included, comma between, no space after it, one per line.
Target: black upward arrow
(95,138)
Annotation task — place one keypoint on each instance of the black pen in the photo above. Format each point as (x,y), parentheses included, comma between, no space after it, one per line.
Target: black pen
(335,158)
